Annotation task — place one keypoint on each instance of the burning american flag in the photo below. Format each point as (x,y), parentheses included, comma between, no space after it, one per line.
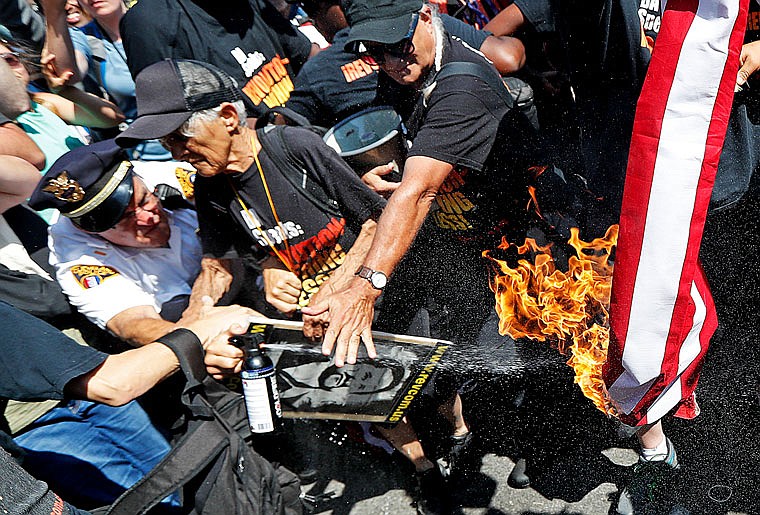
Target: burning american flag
(662,315)
(641,358)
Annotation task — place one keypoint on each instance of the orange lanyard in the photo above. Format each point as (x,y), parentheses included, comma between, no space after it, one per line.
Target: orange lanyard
(286,260)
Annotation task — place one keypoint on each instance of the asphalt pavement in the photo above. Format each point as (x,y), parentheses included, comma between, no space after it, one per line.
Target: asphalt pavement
(578,459)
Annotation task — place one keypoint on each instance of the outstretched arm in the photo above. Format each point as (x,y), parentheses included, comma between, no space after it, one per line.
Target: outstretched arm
(314,326)
(351,308)
(78,107)
(139,325)
(57,38)
(124,377)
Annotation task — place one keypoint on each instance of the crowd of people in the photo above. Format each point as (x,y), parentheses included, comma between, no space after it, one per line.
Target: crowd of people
(163,175)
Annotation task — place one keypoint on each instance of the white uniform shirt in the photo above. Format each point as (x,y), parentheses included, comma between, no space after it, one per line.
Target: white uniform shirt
(102,279)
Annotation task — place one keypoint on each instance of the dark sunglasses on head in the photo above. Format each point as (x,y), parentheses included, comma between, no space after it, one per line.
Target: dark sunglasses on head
(375,54)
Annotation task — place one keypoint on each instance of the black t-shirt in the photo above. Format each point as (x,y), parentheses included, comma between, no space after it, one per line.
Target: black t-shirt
(601,39)
(37,360)
(753,22)
(248,39)
(538,13)
(335,84)
(464,122)
(601,52)
(317,235)
(650,15)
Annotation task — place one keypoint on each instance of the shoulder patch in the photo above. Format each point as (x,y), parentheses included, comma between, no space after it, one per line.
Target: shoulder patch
(89,276)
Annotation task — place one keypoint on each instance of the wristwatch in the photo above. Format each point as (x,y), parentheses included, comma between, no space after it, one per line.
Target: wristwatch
(378,280)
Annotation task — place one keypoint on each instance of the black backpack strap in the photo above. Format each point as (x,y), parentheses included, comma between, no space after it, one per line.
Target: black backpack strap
(482,72)
(194,452)
(189,350)
(294,170)
(292,117)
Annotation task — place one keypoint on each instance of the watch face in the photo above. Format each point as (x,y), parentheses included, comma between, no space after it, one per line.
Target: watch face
(378,280)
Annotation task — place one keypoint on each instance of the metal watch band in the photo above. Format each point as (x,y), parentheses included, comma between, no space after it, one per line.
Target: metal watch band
(377,279)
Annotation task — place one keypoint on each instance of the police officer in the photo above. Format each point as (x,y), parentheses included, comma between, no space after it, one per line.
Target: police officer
(126,263)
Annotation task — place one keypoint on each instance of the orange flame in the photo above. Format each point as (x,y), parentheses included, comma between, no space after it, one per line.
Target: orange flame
(567,309)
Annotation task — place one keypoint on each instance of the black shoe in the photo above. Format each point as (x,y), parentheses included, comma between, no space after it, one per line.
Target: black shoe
(430,494)
(457,460)
(650,484)
(518,478)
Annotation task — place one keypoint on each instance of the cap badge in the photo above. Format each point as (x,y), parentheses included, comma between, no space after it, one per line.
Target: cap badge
(64,188)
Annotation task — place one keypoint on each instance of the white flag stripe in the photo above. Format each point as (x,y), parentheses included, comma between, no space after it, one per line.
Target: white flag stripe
(688,353)
(677,169)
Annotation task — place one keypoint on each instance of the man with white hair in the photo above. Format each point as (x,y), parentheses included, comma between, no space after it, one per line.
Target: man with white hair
(464,186)
(278,195)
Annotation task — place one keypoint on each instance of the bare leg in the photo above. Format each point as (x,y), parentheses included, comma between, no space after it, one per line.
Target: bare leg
(650,483)
(651,436)
(451,410)
(404,439)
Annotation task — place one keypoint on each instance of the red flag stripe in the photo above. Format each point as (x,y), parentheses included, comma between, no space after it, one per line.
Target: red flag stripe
(684,319)
(650,111)
(657,329)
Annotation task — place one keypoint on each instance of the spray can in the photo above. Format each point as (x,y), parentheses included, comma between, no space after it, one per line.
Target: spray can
(262,400)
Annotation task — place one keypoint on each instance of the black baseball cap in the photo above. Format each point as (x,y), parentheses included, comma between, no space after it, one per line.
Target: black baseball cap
(170,91)
(91,185)
(381,21)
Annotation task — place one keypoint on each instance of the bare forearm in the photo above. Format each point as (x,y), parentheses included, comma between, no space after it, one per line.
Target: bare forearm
(15,142)
(17,181)
(140,331)
(507,22)
(214,281)
(90,110)
(58,39)
(397,227)
(355,256)
(314,326)
(14,99)
(124,377)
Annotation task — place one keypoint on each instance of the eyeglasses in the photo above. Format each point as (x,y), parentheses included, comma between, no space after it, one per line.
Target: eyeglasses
(375,54)
(173,139)
(12,58)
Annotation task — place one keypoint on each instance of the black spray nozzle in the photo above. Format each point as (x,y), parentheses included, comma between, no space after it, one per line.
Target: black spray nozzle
(247,341)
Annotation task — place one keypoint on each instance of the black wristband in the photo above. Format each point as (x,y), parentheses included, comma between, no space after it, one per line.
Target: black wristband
(189,350)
